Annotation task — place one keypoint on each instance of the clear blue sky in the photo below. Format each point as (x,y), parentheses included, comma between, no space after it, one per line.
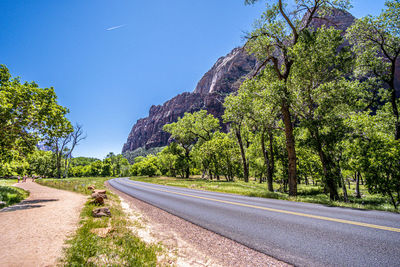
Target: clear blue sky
(109,76)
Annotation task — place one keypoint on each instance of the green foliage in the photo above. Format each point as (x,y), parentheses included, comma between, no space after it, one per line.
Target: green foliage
(218,156)
(28,114)
(191,128)
(13,168)
(382,168)
(112,166)
(172,160)
(376,42)
(119,165)
(41,163)
(373,151)
(148,166)
(82,161)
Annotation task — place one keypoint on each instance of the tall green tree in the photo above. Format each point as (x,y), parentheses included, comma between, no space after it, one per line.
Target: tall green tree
(236,109)
(252,109)
(323,95)
(191,128)
(219,156)
(375,153)
(376,42)
(41,163)
(279,29)
(170,160)
(263,120)
(28,114)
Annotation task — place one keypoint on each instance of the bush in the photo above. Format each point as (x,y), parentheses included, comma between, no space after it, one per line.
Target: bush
(11,195)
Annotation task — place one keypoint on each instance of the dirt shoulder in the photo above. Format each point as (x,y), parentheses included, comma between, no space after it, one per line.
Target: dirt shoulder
(33,232)
(191,244)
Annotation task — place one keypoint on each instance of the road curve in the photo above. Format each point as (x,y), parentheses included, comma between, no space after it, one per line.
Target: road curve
(302,234)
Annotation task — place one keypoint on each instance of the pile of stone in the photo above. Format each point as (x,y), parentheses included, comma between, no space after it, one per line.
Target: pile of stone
(99,196)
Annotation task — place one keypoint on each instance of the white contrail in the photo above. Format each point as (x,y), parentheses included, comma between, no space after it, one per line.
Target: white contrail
(115,27)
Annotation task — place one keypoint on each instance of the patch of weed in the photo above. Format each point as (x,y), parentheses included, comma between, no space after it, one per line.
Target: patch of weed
(11,195)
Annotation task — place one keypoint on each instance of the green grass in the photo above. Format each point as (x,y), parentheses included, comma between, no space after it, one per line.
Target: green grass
(120,247)
(9,194)
(310,194)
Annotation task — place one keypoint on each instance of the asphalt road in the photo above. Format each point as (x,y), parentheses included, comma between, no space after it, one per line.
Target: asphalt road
(302,234)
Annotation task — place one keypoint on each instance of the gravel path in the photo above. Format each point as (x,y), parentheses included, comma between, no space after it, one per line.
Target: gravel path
(33,232)
(195,245)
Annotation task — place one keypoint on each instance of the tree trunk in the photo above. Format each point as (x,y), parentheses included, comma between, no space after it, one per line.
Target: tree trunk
(290,147)
(358,195)
(346,199)
(243,154)
(393,201)
(285,184)
(394,99)
(327,167)
(269,160)
(329,176)
(58,164)
(187,170)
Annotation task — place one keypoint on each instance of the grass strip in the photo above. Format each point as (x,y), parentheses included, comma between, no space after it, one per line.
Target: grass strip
(9,194)
(306,193)
(106,241)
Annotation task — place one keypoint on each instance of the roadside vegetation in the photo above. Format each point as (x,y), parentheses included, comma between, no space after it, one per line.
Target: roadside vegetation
(11,195)
(106,241)
(306,193)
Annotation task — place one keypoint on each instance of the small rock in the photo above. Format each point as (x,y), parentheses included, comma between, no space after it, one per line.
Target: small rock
(99,200)
(100,191)
(95,195)
(91,187)
(101,212)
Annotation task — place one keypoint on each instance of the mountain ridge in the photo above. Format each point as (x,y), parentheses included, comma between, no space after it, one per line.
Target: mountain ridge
(224,77)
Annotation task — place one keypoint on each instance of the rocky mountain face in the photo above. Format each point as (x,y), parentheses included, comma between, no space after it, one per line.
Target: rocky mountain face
(339,19)
(222,79)
(226,74)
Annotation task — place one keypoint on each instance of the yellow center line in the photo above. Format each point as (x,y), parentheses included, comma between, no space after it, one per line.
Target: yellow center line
(392,229)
